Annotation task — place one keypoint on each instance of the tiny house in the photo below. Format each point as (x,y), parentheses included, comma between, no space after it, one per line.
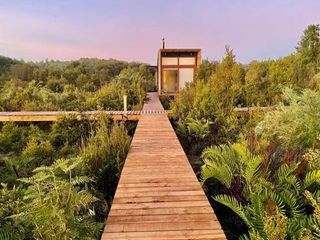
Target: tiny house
(176,68)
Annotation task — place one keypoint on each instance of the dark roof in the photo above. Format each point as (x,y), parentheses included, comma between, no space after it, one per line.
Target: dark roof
(180,50)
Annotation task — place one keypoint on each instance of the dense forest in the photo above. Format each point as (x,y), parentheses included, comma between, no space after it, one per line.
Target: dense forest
(260,169)
(86,84)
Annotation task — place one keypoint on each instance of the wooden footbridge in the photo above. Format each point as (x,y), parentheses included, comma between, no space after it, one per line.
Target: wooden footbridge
(158,195)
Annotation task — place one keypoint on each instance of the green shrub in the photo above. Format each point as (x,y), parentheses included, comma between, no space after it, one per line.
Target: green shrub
(69,131)
(105,153)
(12,138)
(294,124)
(37,153)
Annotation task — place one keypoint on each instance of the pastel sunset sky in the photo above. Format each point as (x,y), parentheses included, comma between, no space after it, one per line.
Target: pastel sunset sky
(132,29)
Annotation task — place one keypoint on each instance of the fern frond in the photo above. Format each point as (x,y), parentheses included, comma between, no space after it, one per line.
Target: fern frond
(77,180)
(42,169)
(219,163)
(6,235)
(311,178)
(278,201)
(223,174)
(285,171)
(292,203)
(234,205)
(252,167)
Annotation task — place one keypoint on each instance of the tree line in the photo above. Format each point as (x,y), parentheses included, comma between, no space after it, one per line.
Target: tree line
(85,84)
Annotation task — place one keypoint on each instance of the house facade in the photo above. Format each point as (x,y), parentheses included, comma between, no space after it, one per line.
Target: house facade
(176,68)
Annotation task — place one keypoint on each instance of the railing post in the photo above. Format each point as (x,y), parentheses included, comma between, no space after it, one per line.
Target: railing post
(125,105)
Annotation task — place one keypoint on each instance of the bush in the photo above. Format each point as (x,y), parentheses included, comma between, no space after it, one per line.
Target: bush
(12,138)
(69,131)
(104,155)
(294,124)
(37,153)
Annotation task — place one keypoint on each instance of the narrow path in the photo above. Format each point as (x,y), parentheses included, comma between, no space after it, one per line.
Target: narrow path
(158,195)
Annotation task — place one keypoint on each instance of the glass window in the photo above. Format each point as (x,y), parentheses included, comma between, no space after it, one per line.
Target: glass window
(169,61)
(187,61)
(185,76)
(170,80)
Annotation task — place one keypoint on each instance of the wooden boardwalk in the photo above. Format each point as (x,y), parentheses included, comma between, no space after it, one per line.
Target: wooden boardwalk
(158,195)
(49,116)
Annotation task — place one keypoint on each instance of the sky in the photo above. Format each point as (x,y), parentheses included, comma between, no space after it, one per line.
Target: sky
(132,29)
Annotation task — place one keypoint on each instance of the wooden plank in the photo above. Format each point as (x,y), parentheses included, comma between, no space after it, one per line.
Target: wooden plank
(160,205)
(163,218)
(159,189)
(154,193)
(162,226)
(161,211)
(152,199)
(163,235)
(161,184)
(158,195)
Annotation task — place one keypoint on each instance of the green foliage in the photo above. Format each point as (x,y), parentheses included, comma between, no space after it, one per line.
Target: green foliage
(5,64)
(275,194)
(295,125)
(11,203)
(21,71)
(68,132)
(165,101)
(212,103)
(205,70)
(105,153)
(37,153)
(257,82)
(268,205)
(86,84)
(59,198)
(309,45)
(57,203)
(228,164)
(12,138)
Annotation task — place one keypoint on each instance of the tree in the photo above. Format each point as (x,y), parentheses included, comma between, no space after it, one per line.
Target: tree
(228,80)
(205,70)
(309,45)
(22,71)
(5,64)
(256,83)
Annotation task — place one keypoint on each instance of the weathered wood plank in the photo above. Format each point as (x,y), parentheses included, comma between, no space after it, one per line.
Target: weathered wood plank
(164,218)
(152,199)
(162,226)
(160,211)
(170,235)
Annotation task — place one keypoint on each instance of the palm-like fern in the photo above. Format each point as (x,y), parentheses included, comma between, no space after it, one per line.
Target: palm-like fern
(277,206)
(225,162)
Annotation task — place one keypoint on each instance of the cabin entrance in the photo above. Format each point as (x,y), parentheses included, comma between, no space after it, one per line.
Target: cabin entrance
(170,80)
